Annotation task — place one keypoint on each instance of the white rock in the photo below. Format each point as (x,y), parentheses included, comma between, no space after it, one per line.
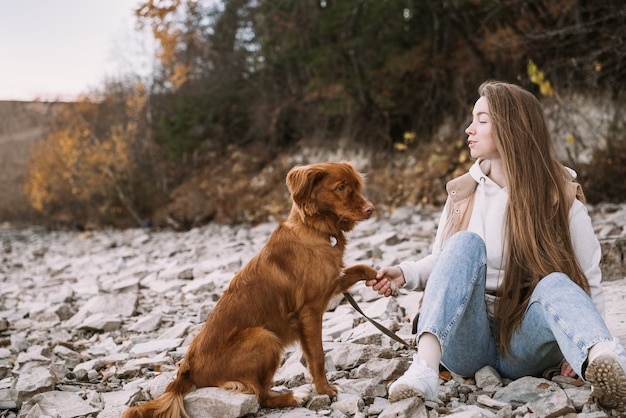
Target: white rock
(405,408)
(58,404)
(36,380)
(101,321)
(155,346)
(219,403)
(147,323)
(348,403)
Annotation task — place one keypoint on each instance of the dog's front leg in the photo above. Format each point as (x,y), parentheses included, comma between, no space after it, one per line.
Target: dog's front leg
(354,274)
(311,343)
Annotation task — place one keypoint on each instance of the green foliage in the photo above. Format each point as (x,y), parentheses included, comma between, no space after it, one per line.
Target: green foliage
(386,74)
(264,74)
(183,124)
(279,71)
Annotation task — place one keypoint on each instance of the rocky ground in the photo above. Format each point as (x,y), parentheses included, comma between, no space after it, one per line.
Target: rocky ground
(93,321)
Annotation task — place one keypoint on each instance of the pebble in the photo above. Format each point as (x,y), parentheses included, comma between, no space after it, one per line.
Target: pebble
(92,321)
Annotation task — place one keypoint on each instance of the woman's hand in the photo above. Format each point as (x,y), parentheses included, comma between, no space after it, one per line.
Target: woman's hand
(566,370)
(388,280)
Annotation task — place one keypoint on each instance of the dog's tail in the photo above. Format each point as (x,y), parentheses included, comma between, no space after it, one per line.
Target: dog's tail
(170,404)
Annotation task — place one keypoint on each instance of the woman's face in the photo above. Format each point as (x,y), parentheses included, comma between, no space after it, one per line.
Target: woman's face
(479,139)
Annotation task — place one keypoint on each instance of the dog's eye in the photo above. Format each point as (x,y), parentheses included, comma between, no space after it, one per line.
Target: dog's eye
(341,187)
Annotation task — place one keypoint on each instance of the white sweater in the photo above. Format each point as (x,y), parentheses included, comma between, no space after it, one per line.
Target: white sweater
(487,220)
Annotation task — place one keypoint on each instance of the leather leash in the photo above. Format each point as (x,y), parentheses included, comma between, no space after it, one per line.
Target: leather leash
(382,328)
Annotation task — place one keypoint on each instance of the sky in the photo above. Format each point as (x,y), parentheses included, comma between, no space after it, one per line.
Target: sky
(58,49)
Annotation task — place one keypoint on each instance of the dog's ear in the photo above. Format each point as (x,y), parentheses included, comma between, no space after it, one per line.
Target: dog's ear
(301,182)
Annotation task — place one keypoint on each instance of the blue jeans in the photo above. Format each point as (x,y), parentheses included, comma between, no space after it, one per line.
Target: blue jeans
(560,321)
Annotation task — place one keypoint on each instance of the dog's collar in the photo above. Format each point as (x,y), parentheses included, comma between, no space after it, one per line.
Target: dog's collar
(333,240)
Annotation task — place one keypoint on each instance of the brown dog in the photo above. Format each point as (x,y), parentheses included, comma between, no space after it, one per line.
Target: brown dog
(278,298)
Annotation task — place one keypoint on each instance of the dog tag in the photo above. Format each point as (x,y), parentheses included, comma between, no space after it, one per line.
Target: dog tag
(333,241)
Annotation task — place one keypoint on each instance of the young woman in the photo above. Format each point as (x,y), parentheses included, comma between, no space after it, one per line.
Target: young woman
(514,278)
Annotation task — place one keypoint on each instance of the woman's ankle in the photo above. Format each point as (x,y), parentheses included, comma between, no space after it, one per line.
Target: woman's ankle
(597,349)
(429,350)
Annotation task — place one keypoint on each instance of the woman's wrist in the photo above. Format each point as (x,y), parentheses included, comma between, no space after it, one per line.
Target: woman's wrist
(401,276)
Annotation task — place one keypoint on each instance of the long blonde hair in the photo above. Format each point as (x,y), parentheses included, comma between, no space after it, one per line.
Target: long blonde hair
(538,240)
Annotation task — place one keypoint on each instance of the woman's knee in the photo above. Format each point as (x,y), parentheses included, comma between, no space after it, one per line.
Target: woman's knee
(463,259)
(467,243)
(555,280)
(554,283)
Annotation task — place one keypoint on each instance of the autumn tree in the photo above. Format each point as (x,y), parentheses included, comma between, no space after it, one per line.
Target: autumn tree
(88,168)
(249,76)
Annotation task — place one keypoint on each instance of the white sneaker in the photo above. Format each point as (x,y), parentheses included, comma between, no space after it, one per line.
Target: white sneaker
(419,380)
(607,375)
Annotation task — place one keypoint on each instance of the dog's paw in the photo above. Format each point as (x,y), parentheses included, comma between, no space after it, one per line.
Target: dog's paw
(302,393)
(362,270)
(395,289)
(359,272)
(327,389)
